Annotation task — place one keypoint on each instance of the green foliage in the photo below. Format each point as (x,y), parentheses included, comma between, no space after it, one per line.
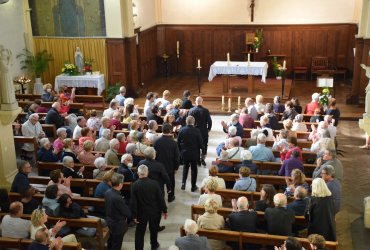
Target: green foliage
(276,66)
(113,90)
(35,64)
(324,98)
(258,39)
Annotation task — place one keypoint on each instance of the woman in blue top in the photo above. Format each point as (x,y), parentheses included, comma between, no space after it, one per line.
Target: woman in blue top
(245,183)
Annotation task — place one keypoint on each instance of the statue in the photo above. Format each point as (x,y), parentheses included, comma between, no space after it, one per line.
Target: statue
(367,89)
(79,60)
(7,94)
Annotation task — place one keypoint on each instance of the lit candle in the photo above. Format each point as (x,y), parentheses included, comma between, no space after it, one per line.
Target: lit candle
(284,64)
(229,104)
(178,47)
(228,57)
(198,63)
(223,100)
(249,57)
(238,100)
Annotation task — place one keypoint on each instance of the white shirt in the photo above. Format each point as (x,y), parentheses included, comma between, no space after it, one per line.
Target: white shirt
(152,136)
(15,227)
(163,101)
(77,132)
(332,131)
(234,153)
(109,112)
(204,197)
(28,129)
(299,127)
(220,181)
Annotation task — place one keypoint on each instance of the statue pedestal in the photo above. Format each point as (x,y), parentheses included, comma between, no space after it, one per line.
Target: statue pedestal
(8,162)
(364,124)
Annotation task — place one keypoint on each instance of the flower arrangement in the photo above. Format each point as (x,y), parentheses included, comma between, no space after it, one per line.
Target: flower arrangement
(88,65)
(69,69)
(276,66)
(258,39)
(324,98)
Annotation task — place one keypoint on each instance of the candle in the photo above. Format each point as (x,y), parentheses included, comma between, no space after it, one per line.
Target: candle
(238,100)
(249,57)
(178,47)
(228,57)
(284,64)
(223,100)
(198,63)
(229,103)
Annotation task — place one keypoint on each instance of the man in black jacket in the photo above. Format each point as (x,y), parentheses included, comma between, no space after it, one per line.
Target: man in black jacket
(279,219)
(168,154)
(157,171)
(203,122)
(147,205)
(117,213)
(53,117)
(190,143)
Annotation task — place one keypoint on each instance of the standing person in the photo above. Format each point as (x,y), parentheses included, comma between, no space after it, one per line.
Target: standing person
(327,174)
(117,213)
(190,143)
(147,205)
(203,122)
(168,154)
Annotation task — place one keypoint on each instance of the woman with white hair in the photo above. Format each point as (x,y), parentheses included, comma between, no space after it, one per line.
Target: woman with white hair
(232,135)
(58,143)
(320,211)
(246,158)
(102,144)
(46,153)
(192,240)
(323,142)
(314,104)
(100,170)
(212,220)
(298,124)
(264,122)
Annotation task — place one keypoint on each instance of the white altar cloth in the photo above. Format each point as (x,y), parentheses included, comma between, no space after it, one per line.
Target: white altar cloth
(238,68)
(84,81)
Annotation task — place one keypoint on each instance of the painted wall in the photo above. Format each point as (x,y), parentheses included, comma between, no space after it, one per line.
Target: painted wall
(12,34)
(266,11)
(145,10)
(113,21)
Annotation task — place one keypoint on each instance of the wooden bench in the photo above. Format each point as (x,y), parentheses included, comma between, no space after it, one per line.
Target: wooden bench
(9,243)
(96,102)
(300,143)
(30,97)
(31,140)
(21,116)
(307,123)
(24,243)
(300,135)
(253,238)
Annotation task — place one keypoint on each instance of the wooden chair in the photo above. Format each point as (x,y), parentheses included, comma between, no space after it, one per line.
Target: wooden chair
(319,63)
(300,71)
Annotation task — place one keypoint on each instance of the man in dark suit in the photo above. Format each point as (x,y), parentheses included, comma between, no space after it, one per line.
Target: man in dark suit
(53,117)
(242,220)
(279,219)
(147,205)
(157,171)
(117,213)
(186,102)
(190,143)
(203,122)
(168,154)
(192,240)
(68,171)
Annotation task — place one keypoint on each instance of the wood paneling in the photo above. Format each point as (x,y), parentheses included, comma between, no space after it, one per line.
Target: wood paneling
(147,50)
(116,60)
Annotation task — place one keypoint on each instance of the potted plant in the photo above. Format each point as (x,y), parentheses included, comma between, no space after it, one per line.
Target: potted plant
(258,40)
(36,65)
(276,67)
(113,90)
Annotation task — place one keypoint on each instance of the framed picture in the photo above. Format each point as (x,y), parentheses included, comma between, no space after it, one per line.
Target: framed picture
(249,38)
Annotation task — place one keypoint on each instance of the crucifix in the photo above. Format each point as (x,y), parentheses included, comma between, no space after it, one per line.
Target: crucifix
(252,10)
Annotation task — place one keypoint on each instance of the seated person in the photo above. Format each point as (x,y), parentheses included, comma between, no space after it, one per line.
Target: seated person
(64,184)
(298,124)
(260,107)
(86,135)
(212,220)
(273,119)
(81,123)
(21,184)
(68,170)
(152,134)
(111,156)
(261,152)
(48,95)
(102,144)
(223,165)
(231,135)
(253,140)
(57,117)
(68,146)
(289,112)
(298,179)
(94,122)
(245,119)
(213,171)
(277,106)
(113,106)
(120,98)
(245,183)
(58,143)
(234,121)
(164,100)
(234,150)
(105,124)
(125,168)
(322,142)
(264,122)
(29,203)
(290,164)
(314,104)
(192,240)
(292,145)
(186,101)
(101,166)
(100,190)
(42,241)
(288,125)
(279,219)
(267,196)
(86,156)
(50,201)
(155,115)
(116,120)
(246,158)
(131,149)
(209,192)
(280,141)
(298,206)
(317,241)
(46,153)
(317,117)
(142,143)
(296,105)
(12,225)
(122,143)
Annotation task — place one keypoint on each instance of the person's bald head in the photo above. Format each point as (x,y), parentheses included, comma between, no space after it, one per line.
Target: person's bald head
(242,203)
(56,105)
(199,100)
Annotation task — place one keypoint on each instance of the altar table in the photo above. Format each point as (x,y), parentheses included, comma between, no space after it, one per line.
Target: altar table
(83,81)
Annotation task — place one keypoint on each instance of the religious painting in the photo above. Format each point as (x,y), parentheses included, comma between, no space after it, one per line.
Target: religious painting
(249,38)
(68,18)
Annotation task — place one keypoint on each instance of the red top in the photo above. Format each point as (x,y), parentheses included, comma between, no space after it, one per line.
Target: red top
(287,155)
(310,108)
(122,147)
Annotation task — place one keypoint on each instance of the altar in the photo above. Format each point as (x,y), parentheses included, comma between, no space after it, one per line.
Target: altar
(81,81)
(238,68)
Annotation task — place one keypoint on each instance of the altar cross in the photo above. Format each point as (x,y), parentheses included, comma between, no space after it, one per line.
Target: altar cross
(252,10)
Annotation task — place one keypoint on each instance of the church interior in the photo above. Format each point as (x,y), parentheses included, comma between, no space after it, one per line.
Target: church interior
(286,48)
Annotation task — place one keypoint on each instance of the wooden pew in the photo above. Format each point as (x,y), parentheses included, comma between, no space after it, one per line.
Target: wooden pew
(224,212)
(22,116)
(32,140)
(24,243)
(9,243)
(98,101)
(301,143)
(30,97)
(300,135)
(308,124)
(254,238)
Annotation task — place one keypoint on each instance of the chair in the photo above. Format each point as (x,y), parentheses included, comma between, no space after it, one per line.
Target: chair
(300,71)
(319,63)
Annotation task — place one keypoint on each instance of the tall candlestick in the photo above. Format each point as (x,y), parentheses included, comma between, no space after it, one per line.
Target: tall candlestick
(284,64)
(249,57)
(198,63)
(228,57)
(238,100)
(229,103)
(223,100)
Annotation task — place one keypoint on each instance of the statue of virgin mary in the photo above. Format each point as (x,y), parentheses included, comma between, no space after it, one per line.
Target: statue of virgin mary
(79,60)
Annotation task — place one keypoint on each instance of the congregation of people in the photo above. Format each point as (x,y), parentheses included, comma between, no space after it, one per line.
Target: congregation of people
(147,151)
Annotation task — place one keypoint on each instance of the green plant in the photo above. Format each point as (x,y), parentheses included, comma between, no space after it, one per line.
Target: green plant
(276,66)
(324,98)
(35,64)
(258,39)
(113,90)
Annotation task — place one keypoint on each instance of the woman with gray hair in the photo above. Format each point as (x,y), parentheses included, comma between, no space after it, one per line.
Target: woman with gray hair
(100,165)
(298,124)
(320,211)
(102,144)
(46,153)
(192,240)
(58,143)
